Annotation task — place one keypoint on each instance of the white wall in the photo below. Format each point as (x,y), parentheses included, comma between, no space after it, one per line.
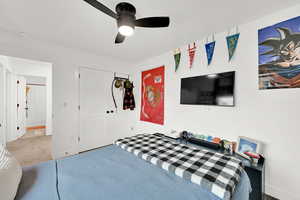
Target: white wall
(270,116)
(36,68)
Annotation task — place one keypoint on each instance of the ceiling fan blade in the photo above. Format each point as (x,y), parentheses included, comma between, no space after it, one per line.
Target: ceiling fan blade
(119,39)
(153,22)
(96,4)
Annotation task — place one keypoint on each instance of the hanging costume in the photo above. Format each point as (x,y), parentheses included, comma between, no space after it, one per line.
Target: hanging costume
(128,102)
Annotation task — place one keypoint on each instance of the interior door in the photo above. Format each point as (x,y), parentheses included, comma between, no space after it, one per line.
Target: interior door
(94,89)
(36,111)
(21,105)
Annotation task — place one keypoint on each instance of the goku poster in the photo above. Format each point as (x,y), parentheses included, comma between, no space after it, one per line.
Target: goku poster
(279,55)
(152,107)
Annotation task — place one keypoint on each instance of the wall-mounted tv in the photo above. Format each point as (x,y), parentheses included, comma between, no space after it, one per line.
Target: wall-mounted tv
(212,89)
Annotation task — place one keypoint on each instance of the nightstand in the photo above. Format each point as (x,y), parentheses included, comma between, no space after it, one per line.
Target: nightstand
(256,175)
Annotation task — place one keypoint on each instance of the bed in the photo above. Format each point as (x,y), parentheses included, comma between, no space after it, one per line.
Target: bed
(111,173)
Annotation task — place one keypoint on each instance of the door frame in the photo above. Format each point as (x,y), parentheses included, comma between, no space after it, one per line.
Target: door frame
(3,105)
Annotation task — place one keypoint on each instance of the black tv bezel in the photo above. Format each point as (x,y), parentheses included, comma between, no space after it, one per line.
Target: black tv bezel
(234,72)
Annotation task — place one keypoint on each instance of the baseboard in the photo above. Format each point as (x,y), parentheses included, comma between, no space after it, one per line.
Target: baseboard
(281,194)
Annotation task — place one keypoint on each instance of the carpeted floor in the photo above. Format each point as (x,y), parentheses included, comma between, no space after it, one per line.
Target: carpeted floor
(31,149)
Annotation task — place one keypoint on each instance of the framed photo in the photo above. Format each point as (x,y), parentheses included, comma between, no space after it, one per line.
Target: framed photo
(246,144)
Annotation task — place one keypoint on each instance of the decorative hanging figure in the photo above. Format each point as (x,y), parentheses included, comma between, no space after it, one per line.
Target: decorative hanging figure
(192,52)
(128,101)
(177,57)
(210,48)
(232,41)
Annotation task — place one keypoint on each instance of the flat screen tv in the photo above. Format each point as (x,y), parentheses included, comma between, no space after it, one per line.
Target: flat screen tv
(212,89)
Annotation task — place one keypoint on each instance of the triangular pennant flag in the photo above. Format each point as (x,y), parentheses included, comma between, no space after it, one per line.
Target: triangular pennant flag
(210,48)
(177,57)
(232,42)
(192,52)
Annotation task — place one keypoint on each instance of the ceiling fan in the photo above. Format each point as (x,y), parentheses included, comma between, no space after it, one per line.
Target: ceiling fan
(126,20)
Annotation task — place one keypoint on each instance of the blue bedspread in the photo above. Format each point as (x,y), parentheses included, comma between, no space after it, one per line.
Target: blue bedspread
(111,173)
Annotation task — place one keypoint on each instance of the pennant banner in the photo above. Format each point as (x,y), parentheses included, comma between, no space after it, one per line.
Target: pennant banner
(232,42)
(210,48)
(177,57)
(192,52)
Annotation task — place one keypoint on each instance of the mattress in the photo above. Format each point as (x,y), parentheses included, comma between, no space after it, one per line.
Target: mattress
(110,173)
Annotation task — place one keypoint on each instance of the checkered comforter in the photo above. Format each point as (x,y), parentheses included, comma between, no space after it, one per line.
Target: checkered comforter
(215,172)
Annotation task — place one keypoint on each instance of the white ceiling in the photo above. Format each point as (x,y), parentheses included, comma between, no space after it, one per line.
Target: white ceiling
(74,23)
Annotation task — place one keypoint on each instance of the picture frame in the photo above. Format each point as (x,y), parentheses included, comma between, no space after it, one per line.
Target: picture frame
(245,144)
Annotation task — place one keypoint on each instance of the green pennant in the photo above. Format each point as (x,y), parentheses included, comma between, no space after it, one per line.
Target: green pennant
(232,42)
(177,57)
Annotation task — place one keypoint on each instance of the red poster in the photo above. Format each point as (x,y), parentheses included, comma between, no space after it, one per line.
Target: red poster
(153,82)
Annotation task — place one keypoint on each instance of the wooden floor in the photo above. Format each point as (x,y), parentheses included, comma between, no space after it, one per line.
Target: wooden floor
(32,148)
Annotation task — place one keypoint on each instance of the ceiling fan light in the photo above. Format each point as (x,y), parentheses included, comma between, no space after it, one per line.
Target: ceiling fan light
(126,30)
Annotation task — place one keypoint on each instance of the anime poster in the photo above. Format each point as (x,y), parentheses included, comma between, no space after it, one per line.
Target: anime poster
(279,55)
(152,107)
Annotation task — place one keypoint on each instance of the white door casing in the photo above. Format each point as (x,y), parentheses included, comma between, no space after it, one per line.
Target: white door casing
(2,106)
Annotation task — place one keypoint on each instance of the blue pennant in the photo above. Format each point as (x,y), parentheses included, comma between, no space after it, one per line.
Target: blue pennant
(232,42)
(210,48)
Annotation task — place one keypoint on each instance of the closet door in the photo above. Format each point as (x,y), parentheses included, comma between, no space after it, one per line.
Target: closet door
(94,104)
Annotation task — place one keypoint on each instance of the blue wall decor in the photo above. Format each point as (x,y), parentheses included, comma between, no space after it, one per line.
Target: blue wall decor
(232,42)
(210,48)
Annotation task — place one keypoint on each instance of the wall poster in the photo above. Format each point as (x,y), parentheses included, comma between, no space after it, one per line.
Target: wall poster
(152,106)
(279,55)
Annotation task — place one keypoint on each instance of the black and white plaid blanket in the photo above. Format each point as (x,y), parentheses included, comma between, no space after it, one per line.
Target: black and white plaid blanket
(215,172)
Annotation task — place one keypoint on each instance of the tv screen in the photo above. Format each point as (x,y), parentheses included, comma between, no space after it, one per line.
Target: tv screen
(212,89)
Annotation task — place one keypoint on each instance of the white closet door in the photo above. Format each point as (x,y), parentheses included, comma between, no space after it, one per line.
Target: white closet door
(94,91)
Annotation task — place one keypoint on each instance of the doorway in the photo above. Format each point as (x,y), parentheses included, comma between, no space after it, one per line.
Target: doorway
(28,95)
(35,106)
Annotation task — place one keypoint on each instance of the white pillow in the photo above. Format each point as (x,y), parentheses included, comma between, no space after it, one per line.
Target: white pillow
(10,175)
